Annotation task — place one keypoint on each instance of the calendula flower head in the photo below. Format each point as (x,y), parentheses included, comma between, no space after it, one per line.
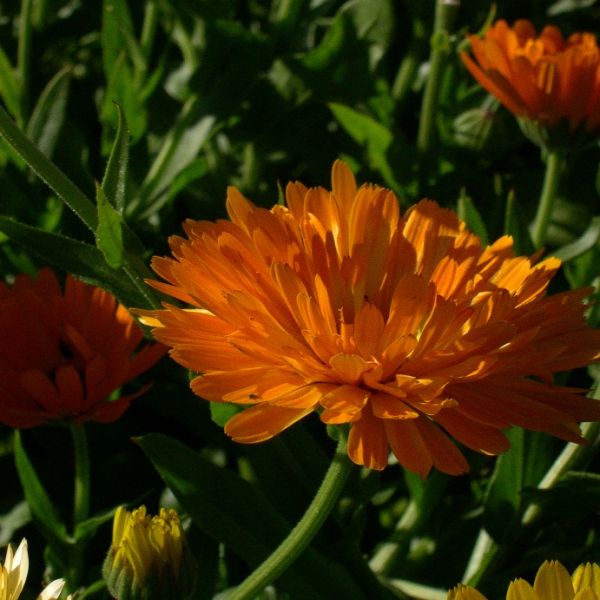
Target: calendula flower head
(13,575)
(551,581)
(403,327)
(148,558)
(64,353)
(551,83)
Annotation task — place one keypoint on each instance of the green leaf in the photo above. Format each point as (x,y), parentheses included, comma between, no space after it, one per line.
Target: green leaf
(115,176)
(580,491)
(48,172)
(180,147)
(115,20)
(109,234)
(374,22)
(18,516)
(331,46)
(121,89)
(587,240)
(523,465)
(470,215)
(86,528)
(293,457)
(236,514)
(221,412)
(9,86)
(42,509)
(515,226)
(48,115)
(72,256)
(375,137)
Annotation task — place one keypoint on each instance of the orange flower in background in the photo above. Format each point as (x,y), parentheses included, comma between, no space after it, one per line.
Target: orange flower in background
(546,79)
(404,327)
(63,354)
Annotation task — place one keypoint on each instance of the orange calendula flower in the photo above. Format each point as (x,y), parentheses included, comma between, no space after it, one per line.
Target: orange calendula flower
(63,353)
(548,80)
(551,581)
(403,327)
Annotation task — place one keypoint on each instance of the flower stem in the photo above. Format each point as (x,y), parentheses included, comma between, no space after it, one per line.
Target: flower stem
(445,12)
(302,534)
(539,227)
(81,500)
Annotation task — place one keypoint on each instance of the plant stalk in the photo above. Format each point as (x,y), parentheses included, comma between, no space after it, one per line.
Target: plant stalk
(81,498)
(305,530)
(539,227)
(445,13)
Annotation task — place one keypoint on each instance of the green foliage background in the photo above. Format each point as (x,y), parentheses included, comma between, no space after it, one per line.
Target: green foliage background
(152,109)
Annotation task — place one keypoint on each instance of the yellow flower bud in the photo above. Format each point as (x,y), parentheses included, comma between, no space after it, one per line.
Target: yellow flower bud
(148,557)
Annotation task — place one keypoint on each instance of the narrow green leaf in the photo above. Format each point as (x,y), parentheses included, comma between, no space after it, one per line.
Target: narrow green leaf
(9,86)
(523,465)
(115,176)
(89,526)
(503,497)
(48,171)
(470,215)
(115,19)
(181,146)
(373,136)
(134,50)
(74,257)
(109,235)
(516,226)
(42,509)
(18,516)
(48,115)
(587,240)
(252,528)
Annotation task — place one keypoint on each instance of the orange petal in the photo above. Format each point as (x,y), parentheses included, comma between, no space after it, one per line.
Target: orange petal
(408,446)
(262,422)
(367,442)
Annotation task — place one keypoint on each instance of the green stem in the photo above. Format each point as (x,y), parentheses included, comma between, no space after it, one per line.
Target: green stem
(539,227)
(408,67)
(149,28)
(81,500)
(24,56)
(302,534)
(445,12)
(48,172)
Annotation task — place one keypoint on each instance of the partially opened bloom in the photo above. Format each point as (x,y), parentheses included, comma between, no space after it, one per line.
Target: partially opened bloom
(14,573)
(63,353)
(551,83)
(551,581)
(148,558)
(404,327)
